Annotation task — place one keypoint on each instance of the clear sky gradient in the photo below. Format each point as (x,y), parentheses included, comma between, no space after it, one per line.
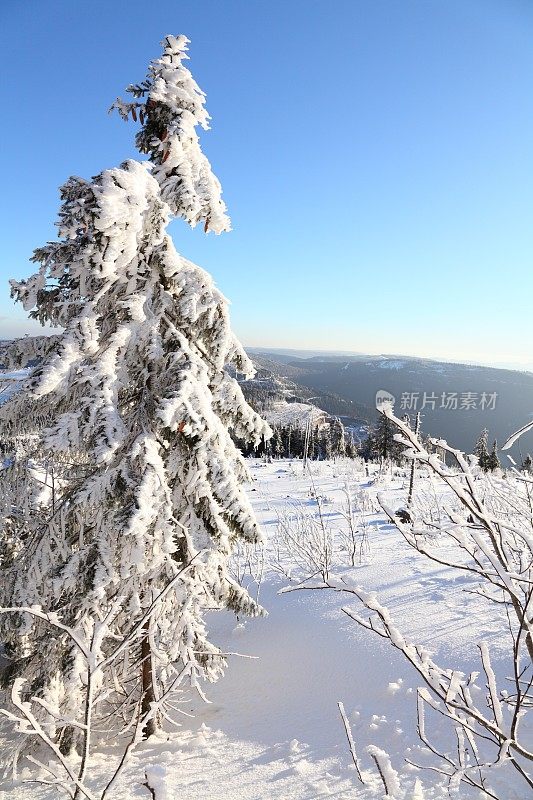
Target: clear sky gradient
(376,158)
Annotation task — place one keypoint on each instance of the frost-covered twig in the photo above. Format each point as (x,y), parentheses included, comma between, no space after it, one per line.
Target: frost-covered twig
(349,736)
(90,650)
(388,775)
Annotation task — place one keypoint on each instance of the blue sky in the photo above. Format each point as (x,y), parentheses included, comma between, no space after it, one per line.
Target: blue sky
(376,158)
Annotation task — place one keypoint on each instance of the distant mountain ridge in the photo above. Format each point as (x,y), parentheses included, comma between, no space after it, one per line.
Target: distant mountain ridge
(499,399)
(289,355)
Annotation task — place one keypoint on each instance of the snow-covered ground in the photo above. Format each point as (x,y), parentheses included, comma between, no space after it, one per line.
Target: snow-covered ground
(272,728)
(281,413)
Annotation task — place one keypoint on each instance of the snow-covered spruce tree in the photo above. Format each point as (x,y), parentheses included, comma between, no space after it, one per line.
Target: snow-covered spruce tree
(141,482)
(325,445)
(493,462)
(380,444)
(338,439)
(481,450)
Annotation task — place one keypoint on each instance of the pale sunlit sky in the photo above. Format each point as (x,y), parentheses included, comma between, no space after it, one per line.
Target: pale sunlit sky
(376,159)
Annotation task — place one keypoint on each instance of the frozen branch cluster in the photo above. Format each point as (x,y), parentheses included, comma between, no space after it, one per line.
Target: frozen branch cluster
(486,532)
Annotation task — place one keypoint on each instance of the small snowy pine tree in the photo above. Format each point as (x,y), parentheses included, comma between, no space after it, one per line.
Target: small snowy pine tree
(481,450)
(493,462)
(338,440)
(276,444)
(380,444)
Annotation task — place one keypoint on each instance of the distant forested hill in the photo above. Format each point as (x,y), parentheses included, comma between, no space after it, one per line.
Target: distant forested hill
(499,399)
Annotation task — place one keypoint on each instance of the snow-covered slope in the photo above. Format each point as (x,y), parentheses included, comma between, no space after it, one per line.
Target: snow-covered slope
(282,413)
(10,382)
(276,381)
(272,728)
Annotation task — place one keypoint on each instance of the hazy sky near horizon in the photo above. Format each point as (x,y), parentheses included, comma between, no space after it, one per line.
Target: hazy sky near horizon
(376,159)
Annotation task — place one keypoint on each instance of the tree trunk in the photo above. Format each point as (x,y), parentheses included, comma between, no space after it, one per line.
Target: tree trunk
(147,684)
(413,465)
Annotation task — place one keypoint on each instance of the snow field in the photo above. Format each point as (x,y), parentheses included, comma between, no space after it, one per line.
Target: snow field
(272,728)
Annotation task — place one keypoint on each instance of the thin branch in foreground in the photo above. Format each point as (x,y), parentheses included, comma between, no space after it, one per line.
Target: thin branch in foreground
(351,743)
